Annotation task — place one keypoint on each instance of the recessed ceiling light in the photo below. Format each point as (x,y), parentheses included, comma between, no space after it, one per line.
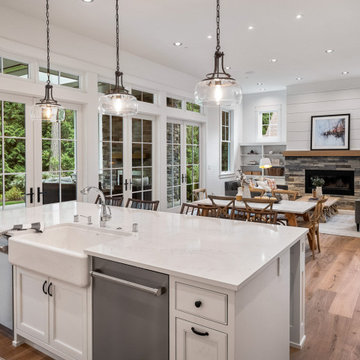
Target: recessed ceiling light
(260,84)
(262,89)
(329,51)
(345,73)
(299,78)
(177,43)
(299,16)
(227,67)
(87,1)
(209,36)
(273,60)
(251,27)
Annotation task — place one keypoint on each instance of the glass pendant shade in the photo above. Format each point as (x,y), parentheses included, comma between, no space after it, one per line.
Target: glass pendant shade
(218,88)
(118,104)
(218,92)
(48,109)
(118,101)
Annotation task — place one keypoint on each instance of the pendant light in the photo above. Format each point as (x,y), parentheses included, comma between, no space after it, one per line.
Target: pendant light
(118,101)
(48,109)
(218,88)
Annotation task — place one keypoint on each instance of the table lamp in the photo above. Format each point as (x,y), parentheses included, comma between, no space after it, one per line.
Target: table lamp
(265,163)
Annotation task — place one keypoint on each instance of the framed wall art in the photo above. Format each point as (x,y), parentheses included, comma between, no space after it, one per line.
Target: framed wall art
(330,132)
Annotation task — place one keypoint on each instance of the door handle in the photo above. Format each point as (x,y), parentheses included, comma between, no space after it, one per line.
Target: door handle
(130,184)
(43,287)
(126,184)
(182,178)
(39,193)
(31,194)
(199,333)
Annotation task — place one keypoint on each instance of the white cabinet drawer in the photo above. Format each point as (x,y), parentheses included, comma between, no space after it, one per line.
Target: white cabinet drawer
(201,302)
(195,342)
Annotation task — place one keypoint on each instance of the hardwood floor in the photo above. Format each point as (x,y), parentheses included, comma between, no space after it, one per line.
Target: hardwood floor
(332,301)
(23,352)
(332,306)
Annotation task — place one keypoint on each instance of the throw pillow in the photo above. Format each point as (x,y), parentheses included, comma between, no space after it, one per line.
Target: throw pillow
(271,183)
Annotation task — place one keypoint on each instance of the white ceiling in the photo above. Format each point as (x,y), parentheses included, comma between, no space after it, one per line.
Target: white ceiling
(149,28)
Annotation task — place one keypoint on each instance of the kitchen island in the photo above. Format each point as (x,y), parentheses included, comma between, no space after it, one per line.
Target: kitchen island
(250,277)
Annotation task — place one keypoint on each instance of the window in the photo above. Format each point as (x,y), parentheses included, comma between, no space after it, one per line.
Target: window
(174,103)
(268,123)
(13,154)
(15,68)
(104,87)
(60,78)
(192,160)
(143,96)
(173,139)
(226,135)
(193,107)
(111,155)
(59,165)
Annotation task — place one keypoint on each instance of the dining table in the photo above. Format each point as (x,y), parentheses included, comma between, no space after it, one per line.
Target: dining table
(291,209)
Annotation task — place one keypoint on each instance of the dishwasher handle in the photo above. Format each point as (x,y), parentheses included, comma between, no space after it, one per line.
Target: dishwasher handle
(154,291)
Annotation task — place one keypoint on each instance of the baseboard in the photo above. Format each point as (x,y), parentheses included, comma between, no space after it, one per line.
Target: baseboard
(298,346)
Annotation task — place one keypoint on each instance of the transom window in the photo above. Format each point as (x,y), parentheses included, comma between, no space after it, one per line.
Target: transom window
(226,135)
(173,103)
(104,87)
(60,78)
(193,107)
(14,67)
(143,96)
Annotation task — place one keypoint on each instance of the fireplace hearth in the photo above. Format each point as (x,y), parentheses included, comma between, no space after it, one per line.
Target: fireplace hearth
(337,182)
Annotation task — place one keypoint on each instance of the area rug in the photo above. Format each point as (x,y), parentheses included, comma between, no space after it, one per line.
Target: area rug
(342,223)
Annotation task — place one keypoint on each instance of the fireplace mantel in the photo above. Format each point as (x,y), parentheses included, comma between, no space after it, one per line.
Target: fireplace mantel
(295,153)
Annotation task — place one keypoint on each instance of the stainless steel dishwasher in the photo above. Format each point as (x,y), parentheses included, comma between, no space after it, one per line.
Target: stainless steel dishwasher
(130,312)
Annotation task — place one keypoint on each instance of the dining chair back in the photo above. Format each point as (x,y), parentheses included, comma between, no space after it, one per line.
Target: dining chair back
(224,211)
(265,214)
(200,194)
(199,210)
(285,194)
(142,204)
(112,200)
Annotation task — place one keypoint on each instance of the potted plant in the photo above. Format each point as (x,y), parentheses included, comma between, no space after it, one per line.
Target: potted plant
(318,183)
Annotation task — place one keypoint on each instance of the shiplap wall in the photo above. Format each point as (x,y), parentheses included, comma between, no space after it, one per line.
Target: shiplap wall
(326,98)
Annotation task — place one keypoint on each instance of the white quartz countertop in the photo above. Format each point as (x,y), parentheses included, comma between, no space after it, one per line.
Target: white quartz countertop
(219,252)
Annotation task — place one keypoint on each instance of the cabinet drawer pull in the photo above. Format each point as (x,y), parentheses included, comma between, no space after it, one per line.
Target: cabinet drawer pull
(199,333)
(43,287)
(198,303)
(50,288)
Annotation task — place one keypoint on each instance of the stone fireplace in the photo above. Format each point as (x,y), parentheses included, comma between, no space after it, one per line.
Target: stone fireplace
(341,174)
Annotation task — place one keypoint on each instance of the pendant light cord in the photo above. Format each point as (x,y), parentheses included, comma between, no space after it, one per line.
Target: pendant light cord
(48,40)
(218,25)
(117,38)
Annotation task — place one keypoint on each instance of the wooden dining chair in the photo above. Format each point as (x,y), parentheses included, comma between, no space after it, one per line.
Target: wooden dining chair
(224,211)
(285,194)
(199,210)
(142,204)
(253,214)
(200,194)
(256,191)
(112,200)
(314,227)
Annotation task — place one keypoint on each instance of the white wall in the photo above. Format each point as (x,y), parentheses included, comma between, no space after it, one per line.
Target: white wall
(250,103)
(214,181)
(325,98)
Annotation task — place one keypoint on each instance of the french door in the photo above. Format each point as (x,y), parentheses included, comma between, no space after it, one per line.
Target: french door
(38,160)
(183,162)
(126,156)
